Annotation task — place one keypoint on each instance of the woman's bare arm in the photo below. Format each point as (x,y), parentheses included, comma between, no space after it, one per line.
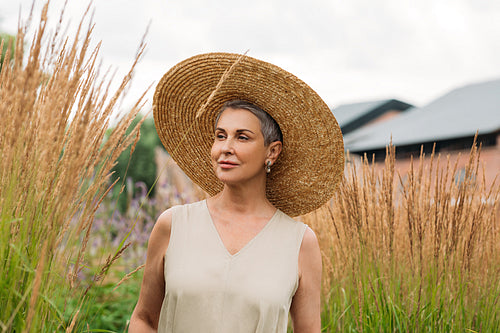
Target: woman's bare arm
(306,304)
(147,311)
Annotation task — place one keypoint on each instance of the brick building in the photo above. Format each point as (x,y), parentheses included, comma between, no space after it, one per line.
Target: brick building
(354,116)
(450,122)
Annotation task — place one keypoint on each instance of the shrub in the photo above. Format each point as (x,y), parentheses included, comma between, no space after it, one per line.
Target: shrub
(111,306)
(139,165)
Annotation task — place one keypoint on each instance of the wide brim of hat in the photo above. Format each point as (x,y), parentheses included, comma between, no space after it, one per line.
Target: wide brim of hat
(312,160)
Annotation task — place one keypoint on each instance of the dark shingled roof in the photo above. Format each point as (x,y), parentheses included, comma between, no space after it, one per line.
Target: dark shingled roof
(457,114)
(352,116)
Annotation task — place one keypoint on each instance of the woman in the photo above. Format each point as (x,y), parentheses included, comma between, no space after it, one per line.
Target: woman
(237,262)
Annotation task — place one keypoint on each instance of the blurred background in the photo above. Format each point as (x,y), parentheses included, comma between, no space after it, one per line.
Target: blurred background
(348,51)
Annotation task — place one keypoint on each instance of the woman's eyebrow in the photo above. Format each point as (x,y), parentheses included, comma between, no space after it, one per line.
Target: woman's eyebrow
(237,131)
(244,130)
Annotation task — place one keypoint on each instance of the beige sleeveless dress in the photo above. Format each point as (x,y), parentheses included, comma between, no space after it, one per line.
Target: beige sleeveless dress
(209,290)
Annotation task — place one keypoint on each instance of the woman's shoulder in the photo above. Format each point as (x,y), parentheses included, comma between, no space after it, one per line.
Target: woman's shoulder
(163,224)
(165,219)
(309,239)
(289,229)
(290,221)
(185,208)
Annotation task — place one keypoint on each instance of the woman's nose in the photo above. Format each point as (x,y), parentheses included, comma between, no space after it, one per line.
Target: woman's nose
(227,147)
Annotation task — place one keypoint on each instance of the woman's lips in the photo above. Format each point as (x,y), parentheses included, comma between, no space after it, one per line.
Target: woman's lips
(227,164)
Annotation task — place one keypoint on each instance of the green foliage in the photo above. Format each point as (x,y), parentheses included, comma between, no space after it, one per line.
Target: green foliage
(369,301)
(8,43)
(139,166)
(109,307)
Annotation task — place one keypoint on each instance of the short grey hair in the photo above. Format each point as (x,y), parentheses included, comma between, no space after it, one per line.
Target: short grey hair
(269,127)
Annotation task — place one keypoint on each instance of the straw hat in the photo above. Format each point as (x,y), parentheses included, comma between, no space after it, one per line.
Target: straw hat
(190,95)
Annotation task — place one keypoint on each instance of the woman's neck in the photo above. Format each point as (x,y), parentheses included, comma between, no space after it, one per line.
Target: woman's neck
(243,200)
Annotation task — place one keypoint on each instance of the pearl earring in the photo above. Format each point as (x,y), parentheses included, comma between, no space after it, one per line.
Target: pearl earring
(268,167)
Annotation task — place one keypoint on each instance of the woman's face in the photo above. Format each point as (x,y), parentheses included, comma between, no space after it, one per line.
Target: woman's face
(238,152)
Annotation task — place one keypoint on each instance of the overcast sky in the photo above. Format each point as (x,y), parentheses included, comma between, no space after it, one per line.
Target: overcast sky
(348,51)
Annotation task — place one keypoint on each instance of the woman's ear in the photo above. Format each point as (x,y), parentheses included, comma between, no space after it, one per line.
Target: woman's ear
(274,151)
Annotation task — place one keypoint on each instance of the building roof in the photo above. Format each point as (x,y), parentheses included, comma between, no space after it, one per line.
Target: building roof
(346,113)
(353,116)
(457,114)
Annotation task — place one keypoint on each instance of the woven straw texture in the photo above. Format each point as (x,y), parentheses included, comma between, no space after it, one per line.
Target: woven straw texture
(190,95)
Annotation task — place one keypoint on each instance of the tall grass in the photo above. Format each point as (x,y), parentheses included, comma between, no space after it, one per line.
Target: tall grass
(411,253)
(416,252)
(55,108)
(115,298)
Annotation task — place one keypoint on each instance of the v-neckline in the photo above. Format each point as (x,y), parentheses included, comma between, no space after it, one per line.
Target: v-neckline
(248,244)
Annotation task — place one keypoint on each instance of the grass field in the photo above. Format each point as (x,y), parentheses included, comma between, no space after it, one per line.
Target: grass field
(418,253)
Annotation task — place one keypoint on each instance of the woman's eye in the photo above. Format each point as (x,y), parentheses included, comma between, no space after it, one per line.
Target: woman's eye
(220,136)
(243,137)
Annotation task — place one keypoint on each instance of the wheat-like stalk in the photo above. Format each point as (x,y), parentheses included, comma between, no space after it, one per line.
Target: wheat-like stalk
(57,155)
(413,239)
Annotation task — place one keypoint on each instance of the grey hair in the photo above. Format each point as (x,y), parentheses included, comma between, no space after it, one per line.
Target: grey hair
(269,127)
